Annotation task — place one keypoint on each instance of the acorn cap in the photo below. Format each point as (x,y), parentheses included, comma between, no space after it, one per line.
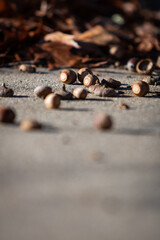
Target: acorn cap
(145,66)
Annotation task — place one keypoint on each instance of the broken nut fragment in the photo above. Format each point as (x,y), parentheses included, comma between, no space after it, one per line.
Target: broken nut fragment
(102,121)
(110,82)
(6,92)
(27,68)
(52,101)
(28,125)
(7,115)
(101,91)
(123,106)
(140,88)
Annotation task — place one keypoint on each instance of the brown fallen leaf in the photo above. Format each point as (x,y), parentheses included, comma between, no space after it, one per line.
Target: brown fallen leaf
(97,35)
(60,37)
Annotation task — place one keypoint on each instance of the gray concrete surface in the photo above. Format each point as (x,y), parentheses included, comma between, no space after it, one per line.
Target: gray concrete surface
(71,181)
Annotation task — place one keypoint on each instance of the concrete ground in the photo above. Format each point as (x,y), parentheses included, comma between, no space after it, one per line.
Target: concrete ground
(70,181)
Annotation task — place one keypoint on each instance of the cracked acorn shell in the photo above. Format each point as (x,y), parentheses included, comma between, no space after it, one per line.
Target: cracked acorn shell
(145,66)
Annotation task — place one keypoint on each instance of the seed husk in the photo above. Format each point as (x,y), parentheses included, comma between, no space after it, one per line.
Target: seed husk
(145,66)
(101,91)
(110,82)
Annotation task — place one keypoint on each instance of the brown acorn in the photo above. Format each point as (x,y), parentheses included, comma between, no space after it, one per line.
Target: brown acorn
(52,101)
(145,66)
(28,125)
(64,94)
(140,88)
(42,91)
(82,73)
(27,68)
(90,79)
(102,121)
(68,76)
(80,93)
(7,115)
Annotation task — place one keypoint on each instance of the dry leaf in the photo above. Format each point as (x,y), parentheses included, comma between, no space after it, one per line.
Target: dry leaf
(60,37)
(97,35)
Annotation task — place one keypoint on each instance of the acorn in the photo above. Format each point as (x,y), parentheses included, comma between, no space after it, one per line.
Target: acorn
(80,93)
(140,88)
(42,91)
(145,66)
(52,101)
(64,94)
(28,125)
(68,76)
(90,79)
(6,92)
(27,68)
(110,82)
(7,115)
(131,64)
(102,121)
(82,73)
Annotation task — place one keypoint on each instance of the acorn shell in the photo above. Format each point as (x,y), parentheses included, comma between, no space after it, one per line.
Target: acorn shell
(145,66)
